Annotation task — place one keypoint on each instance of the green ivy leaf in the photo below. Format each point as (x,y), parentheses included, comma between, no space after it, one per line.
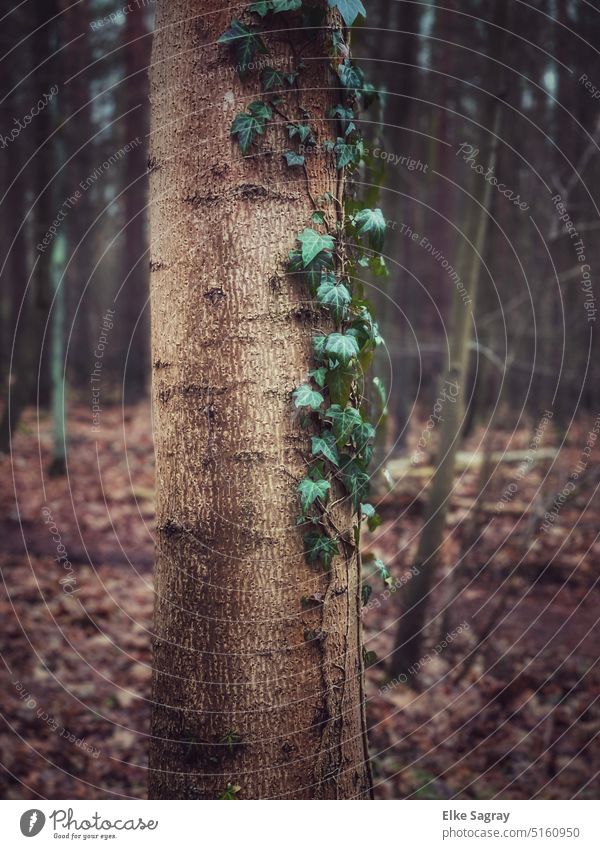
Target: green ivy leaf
(339,382)
(318,345)
(356,480)
(309,490)
(348,9)
(306,396)
(313,243)
(371,223)
(260,109)
(381,394)
(313,272)
(285,5)
(334,296)
(383,572)
(350,76)
(344,421)
(369,513)
(244,43)
(319,547)
(260,8)
(246,128)
(318,217)
(341,347)
(362,435)
(344,154)
(292,158)
(319,375)
(369,657)
(345,116)
(271,78)
(303,131)
(325,445)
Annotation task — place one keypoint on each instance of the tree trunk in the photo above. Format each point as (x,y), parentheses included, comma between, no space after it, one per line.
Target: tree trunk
(246,701)
(132,304)
(409,638)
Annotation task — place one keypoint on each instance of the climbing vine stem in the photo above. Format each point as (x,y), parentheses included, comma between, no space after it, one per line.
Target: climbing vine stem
(342,239)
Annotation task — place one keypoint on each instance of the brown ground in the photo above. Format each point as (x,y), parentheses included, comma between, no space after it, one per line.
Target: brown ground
(523,721)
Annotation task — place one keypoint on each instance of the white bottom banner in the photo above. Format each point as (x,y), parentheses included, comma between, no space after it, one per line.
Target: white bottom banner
(297,824)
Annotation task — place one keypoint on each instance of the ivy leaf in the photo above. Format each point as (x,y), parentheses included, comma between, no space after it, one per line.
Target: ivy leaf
(303,131)
(345,116)
(365,593)
(342,347)
(319,547)
(356,480)
(260,8)
(318,345)
(369,657)
(371,223)
(325,445)
(369,513)
(319,375)
(344,154)
(348,9)
(381,394)
(246,128)
(335,297)
(306,396)
(285,5)
(271,78)
(350,76)
(339,383)
(244,43)
(362,435)
(313,243)
(259,109)
(383,572)
(310,490)
(292,158)
(318,217)
(344,421)
(314,270)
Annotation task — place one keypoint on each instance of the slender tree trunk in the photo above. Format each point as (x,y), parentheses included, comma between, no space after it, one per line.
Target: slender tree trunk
(27,360)
(409,638)
(245,701)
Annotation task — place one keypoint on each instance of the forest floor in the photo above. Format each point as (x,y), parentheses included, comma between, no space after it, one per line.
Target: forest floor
(515,717)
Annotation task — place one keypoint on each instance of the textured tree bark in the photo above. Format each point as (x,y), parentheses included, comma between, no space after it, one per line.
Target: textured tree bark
(241,697)
(134,312)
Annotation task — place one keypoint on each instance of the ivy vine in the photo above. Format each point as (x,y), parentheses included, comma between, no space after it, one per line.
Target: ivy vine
(328,258)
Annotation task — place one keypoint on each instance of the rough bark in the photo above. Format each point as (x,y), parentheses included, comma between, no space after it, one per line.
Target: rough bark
(241,697)
(134,309)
